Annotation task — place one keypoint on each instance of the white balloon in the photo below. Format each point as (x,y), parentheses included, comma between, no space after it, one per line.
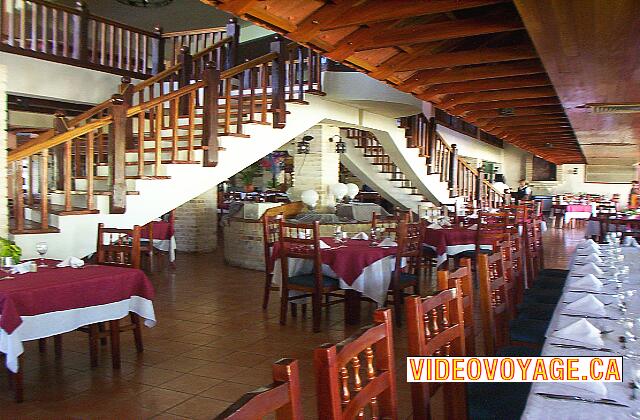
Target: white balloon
(309,197)
(339,191)
(352,190)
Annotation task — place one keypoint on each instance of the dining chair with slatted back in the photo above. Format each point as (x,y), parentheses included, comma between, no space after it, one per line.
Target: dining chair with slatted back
(388,223)
(356,377)
(532,262)
(409,238)
(494,302)
(511,286)
(302,241)
(518,267)
(435,327)
(447,280)
(281,398)
(270,235)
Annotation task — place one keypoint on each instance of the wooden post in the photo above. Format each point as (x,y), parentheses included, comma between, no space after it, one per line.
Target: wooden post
(453,171)
(184,77)
(117,155)
(211,77)
(479,185)
(157,51)
(233,31)
(44,189)
(126,90)
(59,127)
(278,106)
(81,32)
(431,144)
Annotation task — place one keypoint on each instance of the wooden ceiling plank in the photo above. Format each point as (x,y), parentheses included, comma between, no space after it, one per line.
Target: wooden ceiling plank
(486,85)
(237,7)
(379,11)
(497,95)
(313,24)
(497,113)
(516,103)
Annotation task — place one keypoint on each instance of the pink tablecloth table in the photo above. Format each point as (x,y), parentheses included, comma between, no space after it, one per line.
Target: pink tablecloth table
(58,300)
(451,241)
(579,211)
(355,263)
(163,237)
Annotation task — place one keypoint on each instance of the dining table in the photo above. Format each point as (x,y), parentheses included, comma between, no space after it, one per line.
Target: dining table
(617,320)
(361,266)
(56,300)
(449,241)
(163,237)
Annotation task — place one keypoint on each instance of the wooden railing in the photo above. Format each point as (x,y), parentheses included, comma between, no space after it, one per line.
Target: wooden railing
(75,36)
(442,158)
(147,124)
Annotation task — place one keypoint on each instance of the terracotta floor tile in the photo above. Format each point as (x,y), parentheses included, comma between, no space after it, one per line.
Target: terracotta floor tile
(160,399)
(191,384)
(199,408)
(227,391)
(181,364)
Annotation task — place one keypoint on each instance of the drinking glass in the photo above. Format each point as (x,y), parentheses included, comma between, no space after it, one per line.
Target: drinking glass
(42,248)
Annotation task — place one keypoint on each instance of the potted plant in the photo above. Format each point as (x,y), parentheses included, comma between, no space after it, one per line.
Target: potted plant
(10,249)
(247,175)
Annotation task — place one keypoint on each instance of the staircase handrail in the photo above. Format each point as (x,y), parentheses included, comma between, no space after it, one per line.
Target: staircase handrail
(201,31)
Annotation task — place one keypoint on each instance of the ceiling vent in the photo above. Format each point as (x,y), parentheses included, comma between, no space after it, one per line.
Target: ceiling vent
(507,112)
(613,108)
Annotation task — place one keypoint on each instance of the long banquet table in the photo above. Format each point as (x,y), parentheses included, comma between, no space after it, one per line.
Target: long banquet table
(539,407)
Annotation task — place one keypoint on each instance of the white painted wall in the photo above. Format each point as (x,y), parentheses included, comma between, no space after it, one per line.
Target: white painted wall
(514,164)
(468,146)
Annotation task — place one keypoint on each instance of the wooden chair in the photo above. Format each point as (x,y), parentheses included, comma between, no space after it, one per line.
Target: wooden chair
(303,241)
(409,239)
(435,327)
(270,234)
(494,302)
(531,252)
(282,397)
(342,395)
(119,248)
(462,275)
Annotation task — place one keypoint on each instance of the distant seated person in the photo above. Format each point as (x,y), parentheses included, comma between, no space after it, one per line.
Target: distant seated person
(524,191)
(633,195)
(499,184)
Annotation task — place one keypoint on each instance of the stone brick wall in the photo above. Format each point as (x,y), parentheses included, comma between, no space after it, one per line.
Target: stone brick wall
(196,223)
(4,210)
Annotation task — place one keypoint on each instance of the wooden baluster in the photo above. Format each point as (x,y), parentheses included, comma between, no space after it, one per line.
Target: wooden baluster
(18,197)
(7,19)
(431,144)
(310,71)
(240,110)
(128,46)
(30,200)
(59,127)
(23,27)
(44,189)
(233,31)
(103,40)
(427,330)
(145,44)
(158,139)
(174,132)
(81,32)
(291,74)
(77,161)
(318,61)
(45,26)
(112,46)
(344,378)
(371,375)
(184,77)
(227,107)
(34,25)
(126,90)
(94,42)
(278,106)
(300,81)
(211,78)
(67,175)
(136,56)
(89,169)
(478,197)
(141,138)
(264,85)
(357,381)
(192,125)
(119,37)
(252,94)
(117,155)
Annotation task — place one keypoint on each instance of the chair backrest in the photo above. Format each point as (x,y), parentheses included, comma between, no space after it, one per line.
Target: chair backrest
(409,237)
(118,247)
(270,235)
(344,389)
(463,275)
(300,240)
(388,223)
(494,301)
(435,327)
(282,397)
(531,252)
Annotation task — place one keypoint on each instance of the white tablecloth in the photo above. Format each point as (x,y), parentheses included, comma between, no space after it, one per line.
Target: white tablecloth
(165,245)
(569,215)
(543,408)
(372,283)
(60,322)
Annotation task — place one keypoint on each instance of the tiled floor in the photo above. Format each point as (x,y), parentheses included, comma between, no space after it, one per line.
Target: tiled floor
(213,342)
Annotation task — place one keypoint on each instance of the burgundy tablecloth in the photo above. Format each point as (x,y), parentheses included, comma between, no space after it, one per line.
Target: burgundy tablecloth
(161,230)
(59,289)
(440,239)
(349,261)
(576,208)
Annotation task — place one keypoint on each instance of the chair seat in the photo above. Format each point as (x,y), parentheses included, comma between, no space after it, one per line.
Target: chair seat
(539,295)
(408,279)
(539,311)
(542,282)
(472,252)
(497,401)
(309,280)
(517,351)
(528,331)
(554,272)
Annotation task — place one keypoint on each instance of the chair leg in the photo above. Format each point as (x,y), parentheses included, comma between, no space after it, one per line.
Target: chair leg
(137,331)
(397,306)
(284,300)
(103,339)
(267,291)
(93,344)
(17,381)
(57,345)
(114,331)
(294,309)
(316,307)
(42,345)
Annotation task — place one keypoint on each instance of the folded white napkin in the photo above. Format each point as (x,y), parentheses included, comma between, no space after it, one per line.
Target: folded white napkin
(473,227)
(587,305)
(581,330)
(72,262)
(634,243)
(434,226)
(588,282)
(628,241)
(387,242)
(594,258)
(589,249)
(22,268)
(588,268)
(362,236)
(323,245)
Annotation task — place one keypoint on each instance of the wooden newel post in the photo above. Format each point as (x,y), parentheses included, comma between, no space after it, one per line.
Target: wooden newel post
(211,78)
(157,51)
(431,144)
(453,171)
(80,35)
(479,185)
(278,107)
(233,31)
(126,90)
(184,77)
(59,127)
(117,155)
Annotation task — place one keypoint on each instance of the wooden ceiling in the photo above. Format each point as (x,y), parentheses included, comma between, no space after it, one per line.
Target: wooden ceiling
(591,50)
(472,58)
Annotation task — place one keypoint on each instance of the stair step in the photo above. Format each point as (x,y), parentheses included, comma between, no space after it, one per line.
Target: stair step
(81,192)
(375,156)
(60,210)
(382,163)
(164,162)
(30,227)
(104,178)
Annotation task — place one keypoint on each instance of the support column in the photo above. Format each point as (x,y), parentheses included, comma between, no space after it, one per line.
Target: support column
(196,223)
(320,168)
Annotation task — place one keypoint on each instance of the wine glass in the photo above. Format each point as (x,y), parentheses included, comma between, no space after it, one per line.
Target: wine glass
(42,248)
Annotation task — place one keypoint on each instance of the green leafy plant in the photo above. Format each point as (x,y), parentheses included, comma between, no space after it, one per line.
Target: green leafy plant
(10,249)
(273,184)
(248,173)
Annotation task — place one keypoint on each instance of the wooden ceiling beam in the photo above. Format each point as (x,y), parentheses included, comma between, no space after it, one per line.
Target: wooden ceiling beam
(486,85)
(497,95)
(313,24)
(237,7)
(469,57)
(495,123)
(379,11)
(516,112)
(516,103)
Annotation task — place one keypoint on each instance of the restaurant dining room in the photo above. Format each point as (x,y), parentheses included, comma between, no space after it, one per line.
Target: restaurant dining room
(289,209)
